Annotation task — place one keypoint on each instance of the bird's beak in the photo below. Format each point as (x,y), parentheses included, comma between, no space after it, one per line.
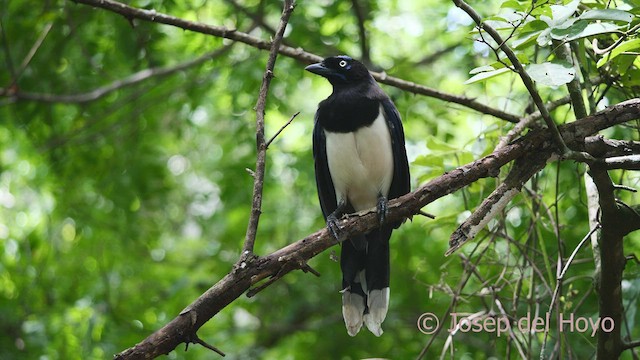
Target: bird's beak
(319,69)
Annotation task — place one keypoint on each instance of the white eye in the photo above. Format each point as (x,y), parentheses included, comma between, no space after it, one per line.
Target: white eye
(343,63)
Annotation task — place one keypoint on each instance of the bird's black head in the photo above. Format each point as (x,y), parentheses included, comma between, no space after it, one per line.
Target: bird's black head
(341,70)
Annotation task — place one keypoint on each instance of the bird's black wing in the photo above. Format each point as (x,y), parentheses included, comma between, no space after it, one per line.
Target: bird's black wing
(401,183)
(326,191)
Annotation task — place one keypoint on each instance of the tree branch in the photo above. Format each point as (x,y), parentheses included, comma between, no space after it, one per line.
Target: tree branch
(526,79)
(102,91)
(261,144)
(627,162)
(282,129)
(599,146)
(612,264)
(252,270)
(362,32)
(523,169)
(299,54)
(563,52)
(631,345)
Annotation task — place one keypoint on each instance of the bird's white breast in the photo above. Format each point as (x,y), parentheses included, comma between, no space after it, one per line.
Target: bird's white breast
(361,163)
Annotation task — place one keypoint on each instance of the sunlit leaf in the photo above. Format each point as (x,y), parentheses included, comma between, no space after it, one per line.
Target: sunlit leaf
(544,37)
(561,14)
(583,29)
(526,39)
(486,75)
(607,14)
(481,69)
(628,45)
(512,4)
(551,74)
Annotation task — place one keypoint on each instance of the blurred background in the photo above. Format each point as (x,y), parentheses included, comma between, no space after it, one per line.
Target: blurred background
(124,192)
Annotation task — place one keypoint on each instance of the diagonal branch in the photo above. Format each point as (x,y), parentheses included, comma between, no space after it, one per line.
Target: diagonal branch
(517,65)
(261,144)
(32,52)
(253,270)
(523,169)
(132,79)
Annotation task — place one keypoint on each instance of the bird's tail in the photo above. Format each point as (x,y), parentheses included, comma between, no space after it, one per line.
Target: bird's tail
(365,280)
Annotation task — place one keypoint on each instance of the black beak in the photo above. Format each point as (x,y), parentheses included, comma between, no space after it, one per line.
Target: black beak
(319,69)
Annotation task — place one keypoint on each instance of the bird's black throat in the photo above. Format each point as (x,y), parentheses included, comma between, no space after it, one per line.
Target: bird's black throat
(348,111)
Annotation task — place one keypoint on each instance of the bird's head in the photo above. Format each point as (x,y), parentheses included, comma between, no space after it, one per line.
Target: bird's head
(341,70)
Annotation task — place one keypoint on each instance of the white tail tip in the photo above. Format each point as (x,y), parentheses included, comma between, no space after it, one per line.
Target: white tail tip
(378,303)
(352,310)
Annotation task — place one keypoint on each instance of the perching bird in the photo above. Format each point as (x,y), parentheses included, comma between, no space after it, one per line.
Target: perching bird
(360,163)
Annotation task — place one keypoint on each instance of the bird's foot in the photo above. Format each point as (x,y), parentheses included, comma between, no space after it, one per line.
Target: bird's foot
(332,225)
(383,208)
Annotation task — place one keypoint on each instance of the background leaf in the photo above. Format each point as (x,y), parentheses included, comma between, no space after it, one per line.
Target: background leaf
(551,74)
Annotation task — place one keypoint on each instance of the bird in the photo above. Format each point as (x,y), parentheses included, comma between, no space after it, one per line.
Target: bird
(360,163)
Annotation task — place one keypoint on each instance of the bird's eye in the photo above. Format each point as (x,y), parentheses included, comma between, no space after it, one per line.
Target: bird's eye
(343,63)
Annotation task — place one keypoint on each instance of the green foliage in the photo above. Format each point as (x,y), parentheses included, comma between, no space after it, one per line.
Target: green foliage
(544,25)
(116,213)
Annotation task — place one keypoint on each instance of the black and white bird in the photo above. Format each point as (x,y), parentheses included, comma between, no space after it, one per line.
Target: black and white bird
(360,163)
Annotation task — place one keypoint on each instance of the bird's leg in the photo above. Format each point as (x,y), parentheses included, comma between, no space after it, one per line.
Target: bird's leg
(382,208)
(332,220)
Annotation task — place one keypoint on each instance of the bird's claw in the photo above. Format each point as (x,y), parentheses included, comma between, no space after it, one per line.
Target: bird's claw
(382,208)
(334,229)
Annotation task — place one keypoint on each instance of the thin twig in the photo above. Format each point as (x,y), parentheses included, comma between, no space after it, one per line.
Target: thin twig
(261,145)
(7,52)
(281,129)
(623,37)
(559,279)
(426,214)
(307,268)
(631,345)
(196,339)
(362,32)
(32,52)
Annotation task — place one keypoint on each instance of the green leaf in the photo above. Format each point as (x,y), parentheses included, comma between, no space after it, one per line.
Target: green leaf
(561,14)
(486,75)
(631,78)
(534,25)
(526,39)
(481,69)
(582,29)
(625,46)
(607,14)
(551,74)
(544,38)
(511,5)
(437,145)
(430,161)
